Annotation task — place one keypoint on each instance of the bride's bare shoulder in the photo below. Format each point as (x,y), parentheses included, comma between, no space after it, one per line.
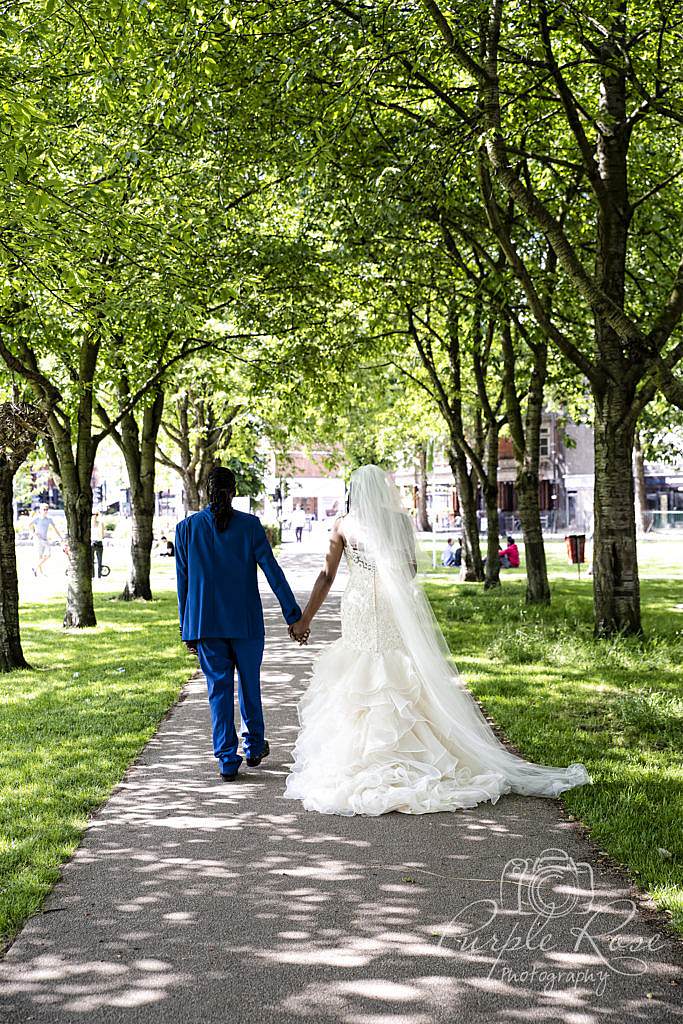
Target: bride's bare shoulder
(342,528)
(338,528)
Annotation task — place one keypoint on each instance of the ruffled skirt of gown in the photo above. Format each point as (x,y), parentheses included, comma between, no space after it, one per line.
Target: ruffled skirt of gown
(365,746)
(372,740)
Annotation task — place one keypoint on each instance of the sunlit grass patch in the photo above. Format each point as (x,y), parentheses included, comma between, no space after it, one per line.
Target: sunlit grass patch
(70,727)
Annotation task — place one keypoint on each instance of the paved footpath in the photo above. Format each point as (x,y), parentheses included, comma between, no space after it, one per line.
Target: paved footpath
(195,901)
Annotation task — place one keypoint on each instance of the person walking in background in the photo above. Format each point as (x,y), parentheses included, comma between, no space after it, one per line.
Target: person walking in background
(509,556)
(298,522)
(40,527)
(221,616)
(97,543)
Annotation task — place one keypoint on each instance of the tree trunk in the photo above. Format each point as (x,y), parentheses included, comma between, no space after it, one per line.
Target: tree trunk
(200,430)
(80,610)
(492,575)
(423,523)
(191,498)
(11,654)
(464,477)
(75,469)
(641,492)
(138,584)
(207,463)
(203,487)
(492,568)
(616,588)
(467,498)
(615,562)
(618,358)
(139,450)
(528,506)
(525,433)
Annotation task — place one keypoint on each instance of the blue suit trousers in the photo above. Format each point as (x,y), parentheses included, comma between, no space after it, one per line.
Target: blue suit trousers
(219,657)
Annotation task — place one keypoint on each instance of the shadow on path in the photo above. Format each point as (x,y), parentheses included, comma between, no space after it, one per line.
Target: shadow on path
(192,900)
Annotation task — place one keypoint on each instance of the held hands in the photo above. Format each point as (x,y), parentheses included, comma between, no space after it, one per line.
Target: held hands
(190,644)
(300,631)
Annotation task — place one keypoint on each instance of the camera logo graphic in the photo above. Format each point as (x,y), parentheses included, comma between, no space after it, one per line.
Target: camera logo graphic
(550,885)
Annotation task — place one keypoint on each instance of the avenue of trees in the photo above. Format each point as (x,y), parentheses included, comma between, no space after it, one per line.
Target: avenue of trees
(357,222)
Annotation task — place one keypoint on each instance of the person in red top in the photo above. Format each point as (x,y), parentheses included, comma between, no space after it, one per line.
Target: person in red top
(509,556)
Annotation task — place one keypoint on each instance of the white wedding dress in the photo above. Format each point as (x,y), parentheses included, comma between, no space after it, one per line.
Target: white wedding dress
(386,722)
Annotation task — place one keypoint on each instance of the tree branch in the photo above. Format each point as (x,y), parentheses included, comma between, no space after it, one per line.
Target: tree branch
(464,58)
(671,314)
(520,270)
(571,108)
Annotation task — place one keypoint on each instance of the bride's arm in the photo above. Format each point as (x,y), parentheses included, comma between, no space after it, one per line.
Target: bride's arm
(321,587)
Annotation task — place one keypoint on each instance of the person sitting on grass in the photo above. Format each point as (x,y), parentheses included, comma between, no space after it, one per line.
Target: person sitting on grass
(167,549)
(509,556)
(452,556)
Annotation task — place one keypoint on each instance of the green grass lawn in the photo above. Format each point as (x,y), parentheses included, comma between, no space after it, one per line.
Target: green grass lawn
(561,696)
(658,556)
(71,726)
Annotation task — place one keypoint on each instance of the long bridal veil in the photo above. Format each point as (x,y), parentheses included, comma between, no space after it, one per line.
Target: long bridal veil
(377,525)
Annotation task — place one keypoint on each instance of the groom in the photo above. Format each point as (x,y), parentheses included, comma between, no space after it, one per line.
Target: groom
(221,617)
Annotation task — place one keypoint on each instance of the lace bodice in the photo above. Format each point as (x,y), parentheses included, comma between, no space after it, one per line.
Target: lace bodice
(367,620)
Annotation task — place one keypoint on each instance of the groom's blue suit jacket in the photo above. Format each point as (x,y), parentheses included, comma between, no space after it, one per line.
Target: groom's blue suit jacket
(218,593)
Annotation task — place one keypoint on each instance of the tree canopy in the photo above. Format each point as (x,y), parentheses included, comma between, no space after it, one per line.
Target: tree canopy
(391,221)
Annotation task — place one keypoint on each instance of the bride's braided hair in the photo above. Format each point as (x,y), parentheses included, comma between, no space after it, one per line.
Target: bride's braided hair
(222,488)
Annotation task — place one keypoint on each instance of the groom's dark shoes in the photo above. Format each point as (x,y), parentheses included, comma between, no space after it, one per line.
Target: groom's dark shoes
(254,762)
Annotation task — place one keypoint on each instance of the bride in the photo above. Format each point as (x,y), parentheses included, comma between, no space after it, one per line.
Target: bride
(387,723)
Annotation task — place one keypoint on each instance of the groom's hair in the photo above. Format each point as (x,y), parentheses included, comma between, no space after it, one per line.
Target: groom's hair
(222,488)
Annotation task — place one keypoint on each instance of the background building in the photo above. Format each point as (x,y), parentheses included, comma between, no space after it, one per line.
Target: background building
(566,479)
(300,479)
(566,474)
(566,482)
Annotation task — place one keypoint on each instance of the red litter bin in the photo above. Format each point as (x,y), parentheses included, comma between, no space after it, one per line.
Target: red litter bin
(576,549)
